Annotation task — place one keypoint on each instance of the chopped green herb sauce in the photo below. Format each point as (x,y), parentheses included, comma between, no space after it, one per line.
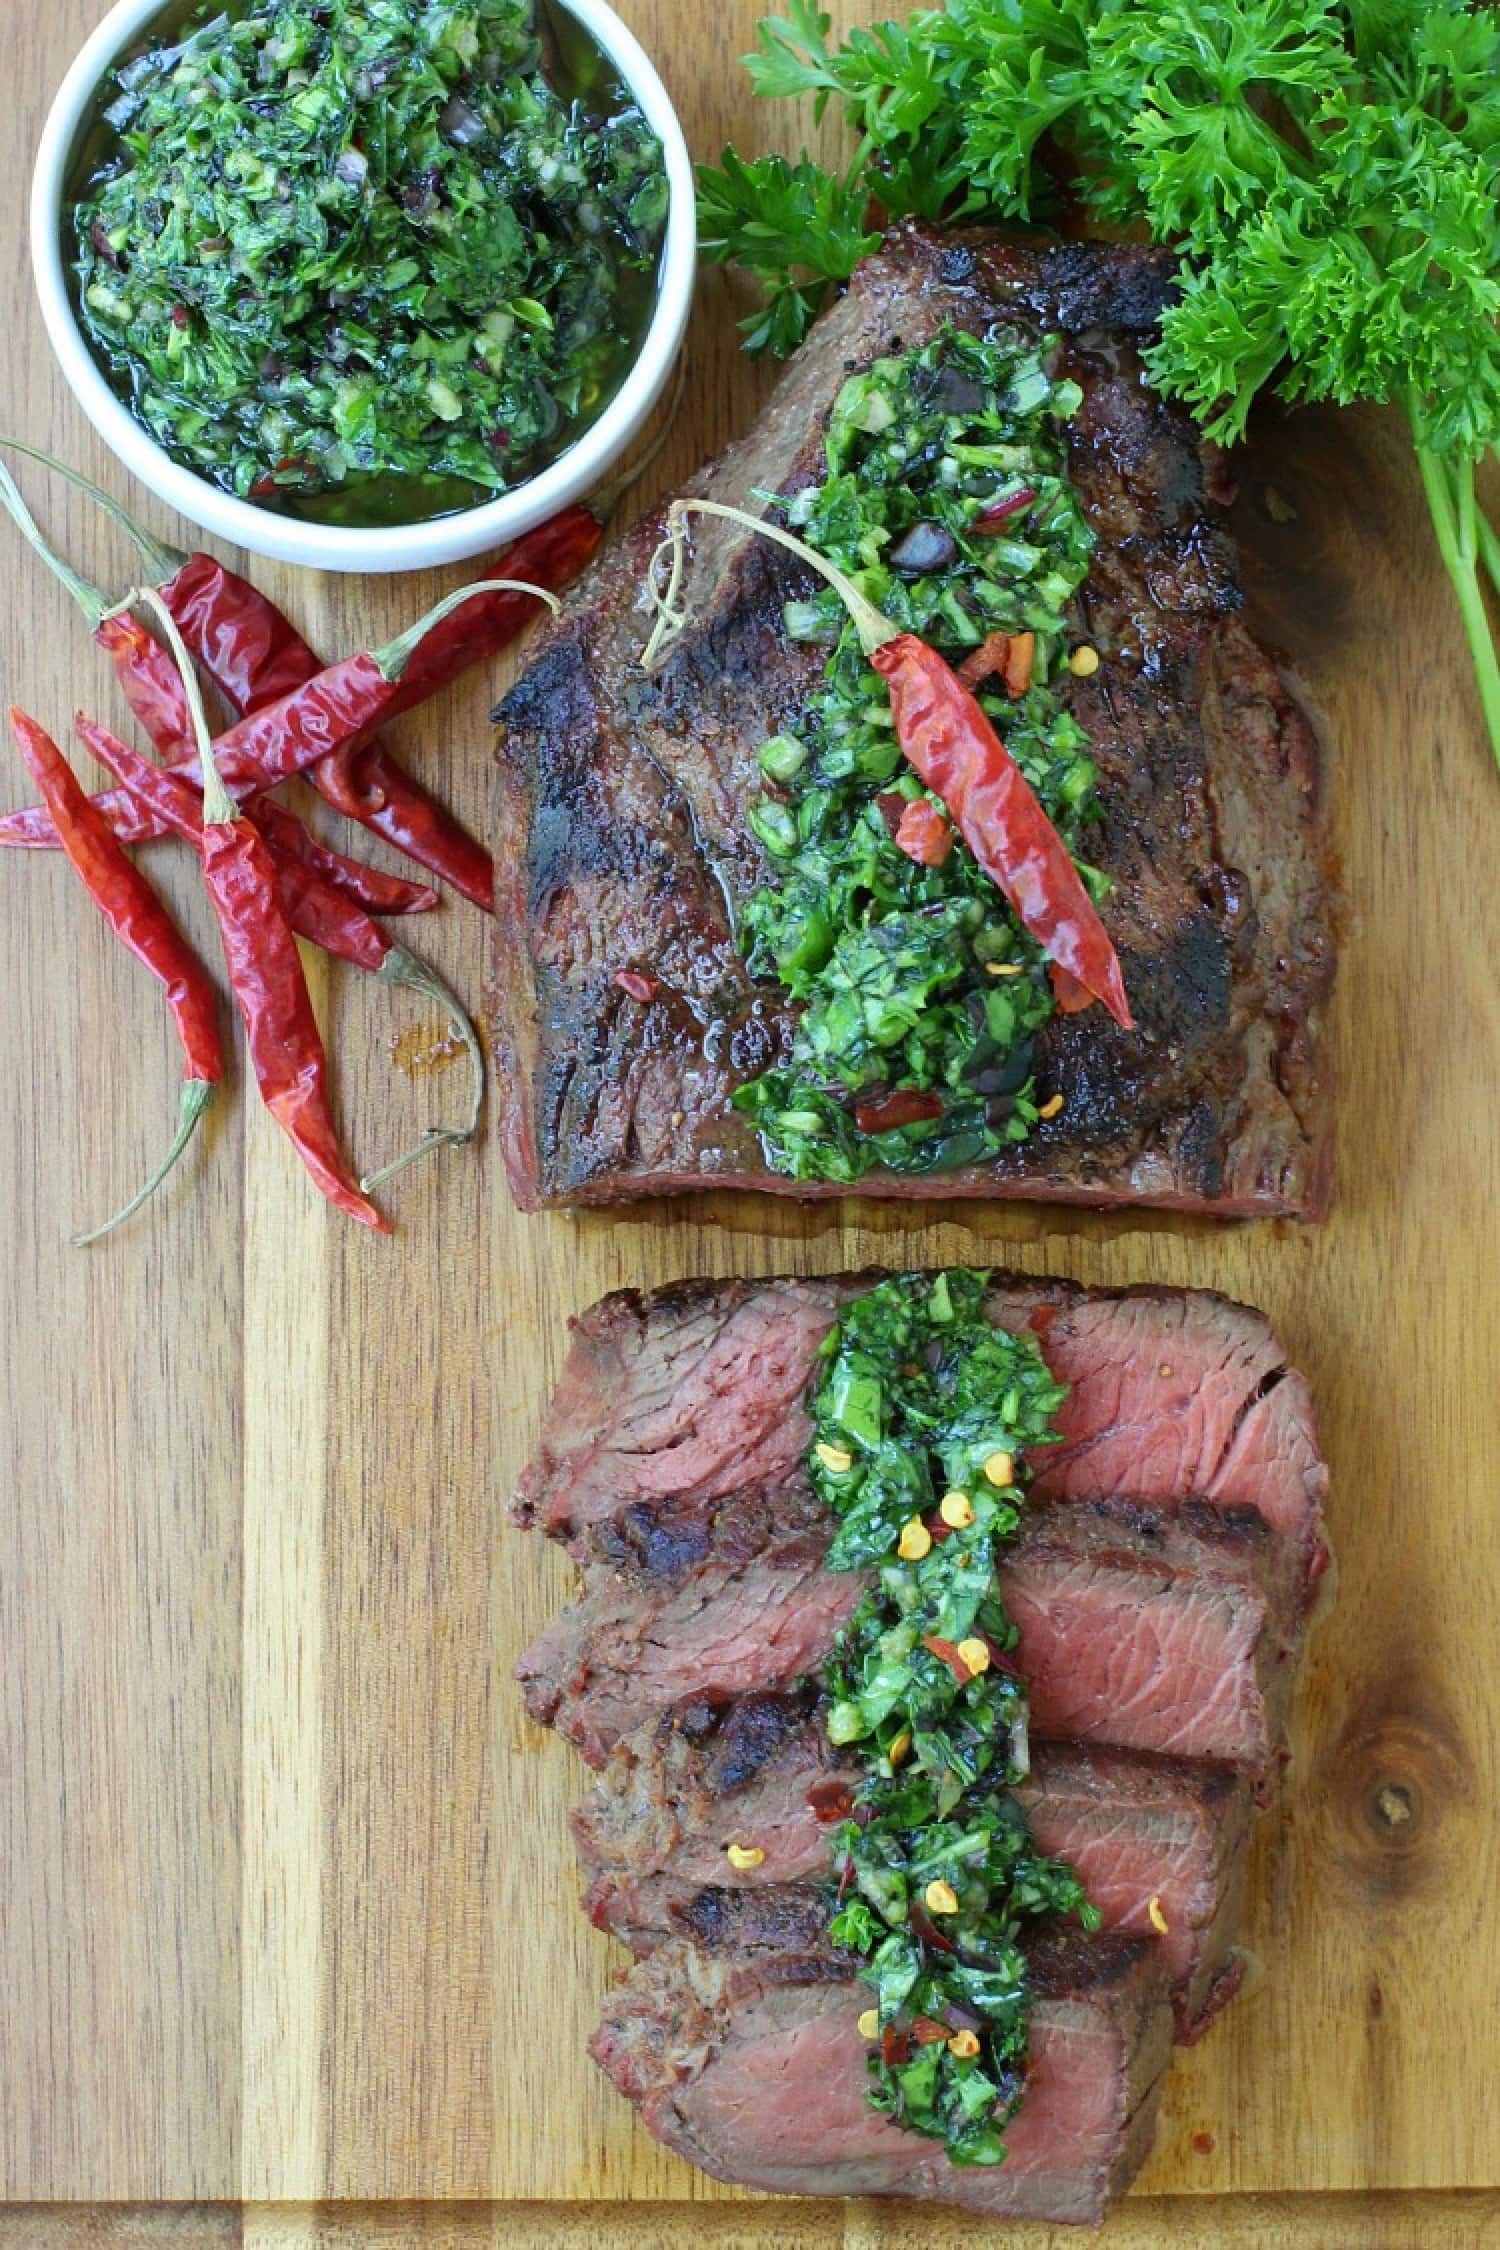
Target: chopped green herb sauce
(369,259)
(918,1391)
(891,962)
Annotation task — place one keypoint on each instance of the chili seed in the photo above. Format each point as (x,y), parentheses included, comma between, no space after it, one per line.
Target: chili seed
(940,1898)
(1000,1469)
(1084,662)
(915,1541)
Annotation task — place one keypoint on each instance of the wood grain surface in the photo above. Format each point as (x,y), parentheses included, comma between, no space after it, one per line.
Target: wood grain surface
(286,1908)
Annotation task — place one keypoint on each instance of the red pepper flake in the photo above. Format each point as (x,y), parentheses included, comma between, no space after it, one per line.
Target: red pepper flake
(846,1880)
(895,2047)
(924,834)
(829,1801)
(1000,514)
(637,986)
(892,807)
(907,1105)
(927,2033)
(947,1654)
(927,1930)
(1011,656)
(181,317)
(1042,1319)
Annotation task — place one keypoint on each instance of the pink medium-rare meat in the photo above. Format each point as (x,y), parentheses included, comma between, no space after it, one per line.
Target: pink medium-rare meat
(1170,1633)
(754,2069)
(621,798)
(697,1391)
(653,1833)
(1172,1392)
(690,1392)
(736,1599)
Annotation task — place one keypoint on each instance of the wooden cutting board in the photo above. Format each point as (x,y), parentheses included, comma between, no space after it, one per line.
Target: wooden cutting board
(286,1905)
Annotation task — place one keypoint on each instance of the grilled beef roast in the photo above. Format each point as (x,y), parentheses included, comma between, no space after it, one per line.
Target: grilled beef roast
(750,2065)
(696,1392)
(1171,1633)
(622,839)
(652,1835)
(1161,1583)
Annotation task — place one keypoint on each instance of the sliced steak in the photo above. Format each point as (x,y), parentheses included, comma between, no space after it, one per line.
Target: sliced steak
(1169,1633)
(622,839)
(653,1833)
(753,2068)
(697,1391)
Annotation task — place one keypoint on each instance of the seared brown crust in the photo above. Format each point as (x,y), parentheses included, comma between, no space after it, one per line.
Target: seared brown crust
(622,841)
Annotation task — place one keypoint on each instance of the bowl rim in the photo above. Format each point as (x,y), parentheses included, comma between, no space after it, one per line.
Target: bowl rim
(452,538)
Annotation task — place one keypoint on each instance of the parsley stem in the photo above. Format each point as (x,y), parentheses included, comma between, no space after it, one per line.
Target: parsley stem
(1454,519)
(1489,544)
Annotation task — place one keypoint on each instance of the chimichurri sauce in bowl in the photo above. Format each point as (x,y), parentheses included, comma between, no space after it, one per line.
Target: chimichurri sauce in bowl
(366,262)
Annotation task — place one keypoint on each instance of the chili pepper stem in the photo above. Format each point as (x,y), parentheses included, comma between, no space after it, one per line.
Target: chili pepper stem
(219,808)
(197,1093)
(408,970)
(165,560)
(872,625)
(392,660)
(91,601)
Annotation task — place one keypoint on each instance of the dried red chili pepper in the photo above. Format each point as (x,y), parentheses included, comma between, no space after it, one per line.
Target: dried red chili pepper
(923,834)
(141,922)
(266,975)
(948,741)
(951,744)
(152,687)
(895,2046)
(367,887)
(316,910)
(926,2032)
(256,658)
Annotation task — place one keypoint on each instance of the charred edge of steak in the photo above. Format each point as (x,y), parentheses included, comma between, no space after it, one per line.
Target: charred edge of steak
(622,809)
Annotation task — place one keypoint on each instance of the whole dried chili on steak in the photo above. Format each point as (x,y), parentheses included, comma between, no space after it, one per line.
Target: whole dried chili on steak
(141,922)
(949,742)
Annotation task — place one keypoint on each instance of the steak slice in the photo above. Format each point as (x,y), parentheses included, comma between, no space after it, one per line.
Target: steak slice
(753,2068)
(1147,1631)
(696,1392)
(653,1832)
(622,840)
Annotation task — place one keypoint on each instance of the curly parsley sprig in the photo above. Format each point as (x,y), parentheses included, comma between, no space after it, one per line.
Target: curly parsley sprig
(1329,170)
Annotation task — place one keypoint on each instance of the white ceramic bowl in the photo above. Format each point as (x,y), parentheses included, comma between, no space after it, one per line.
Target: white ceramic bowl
(322,547)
